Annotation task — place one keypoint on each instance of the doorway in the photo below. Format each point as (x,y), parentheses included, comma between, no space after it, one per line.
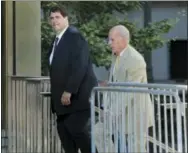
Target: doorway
(178,60)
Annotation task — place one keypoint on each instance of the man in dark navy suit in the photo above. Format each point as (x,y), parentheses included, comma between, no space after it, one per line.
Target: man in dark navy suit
(72,79)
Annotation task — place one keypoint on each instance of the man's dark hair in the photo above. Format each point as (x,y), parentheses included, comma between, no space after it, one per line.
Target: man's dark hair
(59,9)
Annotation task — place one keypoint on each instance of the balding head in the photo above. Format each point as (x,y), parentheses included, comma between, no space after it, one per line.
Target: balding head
(122,30)
(118,38)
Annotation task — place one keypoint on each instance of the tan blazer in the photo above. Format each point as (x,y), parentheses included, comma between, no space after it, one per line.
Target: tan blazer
(132,68)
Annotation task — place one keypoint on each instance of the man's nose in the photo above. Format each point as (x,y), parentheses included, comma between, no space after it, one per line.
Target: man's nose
(54,20)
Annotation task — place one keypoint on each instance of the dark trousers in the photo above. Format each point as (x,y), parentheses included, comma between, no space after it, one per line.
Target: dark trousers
(75,131)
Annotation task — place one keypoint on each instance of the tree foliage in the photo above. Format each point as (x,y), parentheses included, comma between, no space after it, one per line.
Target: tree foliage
(95,18)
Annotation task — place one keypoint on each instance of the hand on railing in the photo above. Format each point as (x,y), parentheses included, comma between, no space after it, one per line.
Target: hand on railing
(103,83)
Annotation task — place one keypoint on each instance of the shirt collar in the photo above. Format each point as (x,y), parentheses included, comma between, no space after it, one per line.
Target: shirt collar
(61,33)
(122,52)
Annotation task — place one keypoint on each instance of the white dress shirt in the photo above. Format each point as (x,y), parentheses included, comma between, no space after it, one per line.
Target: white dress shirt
(59,38)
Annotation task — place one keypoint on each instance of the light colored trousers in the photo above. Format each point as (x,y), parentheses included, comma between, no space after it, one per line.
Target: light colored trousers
(135,143)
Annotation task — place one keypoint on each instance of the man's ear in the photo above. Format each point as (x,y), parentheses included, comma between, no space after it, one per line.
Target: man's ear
(66,17)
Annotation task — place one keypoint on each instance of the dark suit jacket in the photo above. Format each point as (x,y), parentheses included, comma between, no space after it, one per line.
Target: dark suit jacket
(71,71)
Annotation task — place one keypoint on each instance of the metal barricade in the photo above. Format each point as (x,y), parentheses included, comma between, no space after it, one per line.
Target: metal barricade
(122,120)
(168,106)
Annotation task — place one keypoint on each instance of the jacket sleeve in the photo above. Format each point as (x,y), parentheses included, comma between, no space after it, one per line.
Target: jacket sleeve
(137,72)
(79,62)
(140,101)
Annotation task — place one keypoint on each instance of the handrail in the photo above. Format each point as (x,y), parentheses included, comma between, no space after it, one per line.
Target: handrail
(149,85)
(25,76)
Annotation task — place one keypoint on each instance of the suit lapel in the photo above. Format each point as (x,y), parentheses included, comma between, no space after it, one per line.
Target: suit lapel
(121,72)
(51,47)
(111,77)
(65,35)
(59,43)
(49,53)
(62,45)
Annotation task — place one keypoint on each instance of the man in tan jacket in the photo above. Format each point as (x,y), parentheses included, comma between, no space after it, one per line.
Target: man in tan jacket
(128,65)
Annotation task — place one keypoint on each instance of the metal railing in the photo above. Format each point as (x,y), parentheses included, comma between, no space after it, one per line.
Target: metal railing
(168,106)
(31,125)
(169,132)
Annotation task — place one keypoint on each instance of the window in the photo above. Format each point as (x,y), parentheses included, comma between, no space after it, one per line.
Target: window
(178,59)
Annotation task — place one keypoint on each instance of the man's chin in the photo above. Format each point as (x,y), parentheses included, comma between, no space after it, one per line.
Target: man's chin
(114,52)
(57,30)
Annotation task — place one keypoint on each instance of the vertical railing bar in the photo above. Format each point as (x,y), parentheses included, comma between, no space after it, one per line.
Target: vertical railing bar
(172,122)
(28,118)
(10,116)
(154,126)
(159,123)
(20,133)
(185,106)
(166,121)
(92,100)
(15,139)
(29,113)
(23,115)
(135,136)
(39,126)
(179,123)
(42,124)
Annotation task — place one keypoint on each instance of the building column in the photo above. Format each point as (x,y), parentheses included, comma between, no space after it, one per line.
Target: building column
(28,38)
(21,45)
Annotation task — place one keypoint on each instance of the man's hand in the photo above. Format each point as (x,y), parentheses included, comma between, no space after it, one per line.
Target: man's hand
(103,83)
(65,98)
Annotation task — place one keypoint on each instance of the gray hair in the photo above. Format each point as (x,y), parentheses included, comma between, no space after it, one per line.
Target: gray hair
(123,31)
